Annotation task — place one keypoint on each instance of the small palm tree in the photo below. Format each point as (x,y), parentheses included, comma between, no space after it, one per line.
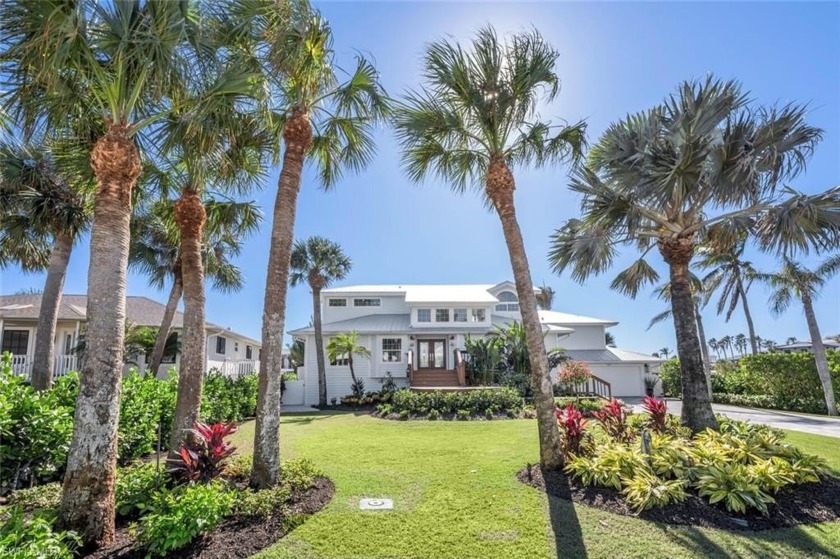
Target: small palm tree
(700,168)
(794,280)
(545,298)
(713,343)
(791,340)
(324,122)
(296,353)
(319,262)
(473,123)
(741,344)
(732,274)
(41,216)
(345,346)
(609,339)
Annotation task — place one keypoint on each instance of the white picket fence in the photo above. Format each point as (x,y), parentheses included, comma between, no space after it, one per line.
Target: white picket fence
(234,368)
(62,364)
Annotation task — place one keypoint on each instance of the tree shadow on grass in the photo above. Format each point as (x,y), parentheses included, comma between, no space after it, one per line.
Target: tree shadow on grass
(565,526)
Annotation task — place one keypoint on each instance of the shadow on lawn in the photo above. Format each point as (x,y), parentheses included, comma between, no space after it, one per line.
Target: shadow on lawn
(757,544)
(568,536)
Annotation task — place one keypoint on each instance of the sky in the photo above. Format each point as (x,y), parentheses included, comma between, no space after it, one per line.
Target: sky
(615,59)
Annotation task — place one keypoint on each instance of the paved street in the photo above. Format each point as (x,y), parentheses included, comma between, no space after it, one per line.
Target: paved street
(781,419)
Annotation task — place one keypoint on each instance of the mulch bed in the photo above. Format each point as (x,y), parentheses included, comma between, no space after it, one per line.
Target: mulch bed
(234,537)
(803,504)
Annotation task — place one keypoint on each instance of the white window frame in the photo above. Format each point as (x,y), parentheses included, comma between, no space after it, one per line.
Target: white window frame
(223,343)
(463,312)
(424,321)
(448,315)
(337,302)
(474,315)
(398,351)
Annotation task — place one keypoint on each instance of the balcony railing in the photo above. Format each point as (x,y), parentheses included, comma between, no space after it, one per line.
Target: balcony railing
(62,364)
(234,368)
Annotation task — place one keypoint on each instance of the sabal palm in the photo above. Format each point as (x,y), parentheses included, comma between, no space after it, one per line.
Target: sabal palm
(324,121)
(41,215)
(155,252)
(318,262)
(473,122)
(105,71)
(732,274)
(699,296)
(702,167)
(795,281)
(345,346)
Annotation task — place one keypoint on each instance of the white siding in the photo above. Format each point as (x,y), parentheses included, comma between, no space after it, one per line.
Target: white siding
(388,305)
(625,380)
(584,337)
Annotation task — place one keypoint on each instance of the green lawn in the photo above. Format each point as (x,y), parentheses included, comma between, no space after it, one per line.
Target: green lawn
(456,497)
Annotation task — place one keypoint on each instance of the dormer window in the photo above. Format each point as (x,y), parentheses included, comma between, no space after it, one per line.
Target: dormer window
(508,302)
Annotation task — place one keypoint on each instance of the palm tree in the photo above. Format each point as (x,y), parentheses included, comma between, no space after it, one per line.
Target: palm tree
(795,280)
(323,122)
(713,343)
(318,262)
(545,298)
(664,352)
(726,344)
(741,344)
(345,346)
(730,272)
(472,123)
(791,340)
(609,339)
(769,345)
(702,167)
(105,71)
(296,353)
(700,296)
(154,251)
(39,208)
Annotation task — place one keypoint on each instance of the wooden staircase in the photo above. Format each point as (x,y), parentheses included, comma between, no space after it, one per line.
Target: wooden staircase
(434,378)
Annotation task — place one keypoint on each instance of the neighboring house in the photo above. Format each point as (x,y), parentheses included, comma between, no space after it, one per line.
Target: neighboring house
(228,351)
(829,343)
(416,332)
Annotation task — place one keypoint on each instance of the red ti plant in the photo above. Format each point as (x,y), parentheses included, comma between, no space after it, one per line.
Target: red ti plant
(613,419)
(658,411)
(202,458)
(572,428)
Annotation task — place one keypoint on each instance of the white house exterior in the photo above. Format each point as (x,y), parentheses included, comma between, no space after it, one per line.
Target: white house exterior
(422,326)
(228,351)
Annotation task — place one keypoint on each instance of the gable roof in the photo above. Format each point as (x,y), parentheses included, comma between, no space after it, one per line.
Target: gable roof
(139,310)
(610,355)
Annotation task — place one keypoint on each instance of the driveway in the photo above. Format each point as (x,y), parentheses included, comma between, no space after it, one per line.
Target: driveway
(781,419)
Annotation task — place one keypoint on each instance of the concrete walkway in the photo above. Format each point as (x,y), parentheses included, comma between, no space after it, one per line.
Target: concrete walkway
(782,419)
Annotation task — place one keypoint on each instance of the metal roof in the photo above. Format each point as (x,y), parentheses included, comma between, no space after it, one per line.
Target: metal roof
(610,355)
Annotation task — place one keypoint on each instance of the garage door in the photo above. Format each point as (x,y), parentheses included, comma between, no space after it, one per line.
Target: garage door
(625,380)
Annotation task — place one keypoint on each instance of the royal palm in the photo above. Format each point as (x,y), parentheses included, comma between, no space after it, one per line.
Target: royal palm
(473,123)
(700,168)
(318,262)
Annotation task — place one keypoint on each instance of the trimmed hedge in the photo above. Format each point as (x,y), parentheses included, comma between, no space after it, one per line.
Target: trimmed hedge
(474,402)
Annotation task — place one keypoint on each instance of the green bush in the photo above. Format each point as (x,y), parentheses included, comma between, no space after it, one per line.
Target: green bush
(46,496)
(145,402)
(261,503)
(23,537)
(176,517)
(474,402)
(585,405)
(136,486)
(227,399)
(669,373)
(814,405)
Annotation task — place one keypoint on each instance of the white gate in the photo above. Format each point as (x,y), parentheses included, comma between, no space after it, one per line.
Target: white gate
(293,395)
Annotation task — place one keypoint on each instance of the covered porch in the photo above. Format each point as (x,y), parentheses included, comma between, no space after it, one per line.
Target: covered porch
(434,362)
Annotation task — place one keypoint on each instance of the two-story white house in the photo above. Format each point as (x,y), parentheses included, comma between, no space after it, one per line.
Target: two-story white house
(420,328)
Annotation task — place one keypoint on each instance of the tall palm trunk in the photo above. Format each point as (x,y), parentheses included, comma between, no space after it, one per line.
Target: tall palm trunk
(297,135)
(43,366)
(319,344)
(190,215)
(704,347)
(696,408)
(819,355)
(87,499)
(747,314)
(500,187)
(166,324)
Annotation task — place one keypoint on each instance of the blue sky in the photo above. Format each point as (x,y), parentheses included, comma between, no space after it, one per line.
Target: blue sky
(615,59)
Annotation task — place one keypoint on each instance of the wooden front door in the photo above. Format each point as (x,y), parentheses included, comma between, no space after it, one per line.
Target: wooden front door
(432,354)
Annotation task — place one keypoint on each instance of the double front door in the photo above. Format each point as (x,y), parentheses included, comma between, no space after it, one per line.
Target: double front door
(432,354)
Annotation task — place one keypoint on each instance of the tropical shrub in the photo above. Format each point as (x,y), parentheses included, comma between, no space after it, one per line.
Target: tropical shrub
(295,476)
(474,402)
(671,377)
(136,486)
(27,537)
(46,496)
(357,387)
(732,484)
(204,457)
(585,405)
(658,413)
(572,429)
(613,419)
(226,399)
(610,465)
(646,491)
(176,517)
(147,407)
(571,375)
(238,467)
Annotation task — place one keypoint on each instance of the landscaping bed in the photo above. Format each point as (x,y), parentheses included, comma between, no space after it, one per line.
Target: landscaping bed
(490,403)
(238,536)
(803,504)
